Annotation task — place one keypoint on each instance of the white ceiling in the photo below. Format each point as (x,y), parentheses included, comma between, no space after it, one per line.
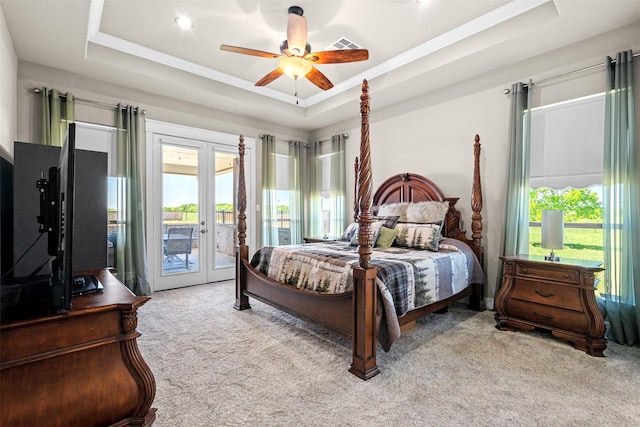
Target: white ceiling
(413,48)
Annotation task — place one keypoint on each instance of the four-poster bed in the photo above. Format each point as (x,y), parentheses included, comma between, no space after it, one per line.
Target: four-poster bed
(356,313)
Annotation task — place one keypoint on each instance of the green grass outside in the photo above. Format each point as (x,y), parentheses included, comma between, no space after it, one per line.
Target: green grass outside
(579,243)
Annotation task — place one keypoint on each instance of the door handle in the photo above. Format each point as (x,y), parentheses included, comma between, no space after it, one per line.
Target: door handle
(203,231)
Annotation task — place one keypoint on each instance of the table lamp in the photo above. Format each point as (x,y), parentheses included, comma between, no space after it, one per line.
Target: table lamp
(326,223)
(552,232)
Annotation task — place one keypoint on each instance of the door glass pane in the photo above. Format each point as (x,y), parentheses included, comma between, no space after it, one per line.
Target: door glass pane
(180,206)
(225,212)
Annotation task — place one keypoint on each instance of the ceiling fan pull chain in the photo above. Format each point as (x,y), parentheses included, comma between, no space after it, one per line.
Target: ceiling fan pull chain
(296,90)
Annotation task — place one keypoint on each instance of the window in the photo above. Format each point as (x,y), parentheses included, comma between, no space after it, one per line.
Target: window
(303,191)
(566,173)
(327,217)
(283,205)
(327,202)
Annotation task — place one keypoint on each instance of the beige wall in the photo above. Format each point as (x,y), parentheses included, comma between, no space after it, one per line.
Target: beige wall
(8,78)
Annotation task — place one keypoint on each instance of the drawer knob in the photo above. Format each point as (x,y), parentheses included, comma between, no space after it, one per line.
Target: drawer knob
(566,276)
(549,317)
(524,270)
(542,294)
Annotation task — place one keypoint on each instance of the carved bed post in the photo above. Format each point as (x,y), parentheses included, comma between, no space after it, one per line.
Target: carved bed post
(242,250)
(356,167)
(365,289)
(476,301)
(476,201)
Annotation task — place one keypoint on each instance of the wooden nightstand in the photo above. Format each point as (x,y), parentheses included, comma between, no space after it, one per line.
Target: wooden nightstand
(557,296)
(319,239)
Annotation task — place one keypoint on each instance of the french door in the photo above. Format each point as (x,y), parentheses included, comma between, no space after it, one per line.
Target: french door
(194,182)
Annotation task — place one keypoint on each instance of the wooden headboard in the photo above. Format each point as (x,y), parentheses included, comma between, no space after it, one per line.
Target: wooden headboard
(411,187)
(406,187)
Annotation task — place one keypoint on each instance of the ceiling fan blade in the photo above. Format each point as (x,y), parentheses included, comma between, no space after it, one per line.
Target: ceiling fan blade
(247,51)
(338,56)
(319,79)
(270,77)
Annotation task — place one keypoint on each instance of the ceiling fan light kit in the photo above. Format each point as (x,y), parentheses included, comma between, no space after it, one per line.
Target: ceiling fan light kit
(296,58)
(295,66)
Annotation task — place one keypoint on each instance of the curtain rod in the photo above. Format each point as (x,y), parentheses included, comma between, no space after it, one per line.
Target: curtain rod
(262,135)
(88,101)
(568,73)
(344,135)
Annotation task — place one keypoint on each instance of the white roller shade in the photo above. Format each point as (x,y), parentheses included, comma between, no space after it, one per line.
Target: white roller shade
(567,143)
(326,175)
(282,172)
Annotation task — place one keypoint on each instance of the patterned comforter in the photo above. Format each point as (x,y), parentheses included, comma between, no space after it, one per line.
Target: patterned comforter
(407,278)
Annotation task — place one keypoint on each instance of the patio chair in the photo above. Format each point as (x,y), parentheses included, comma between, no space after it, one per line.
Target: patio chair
(179,241)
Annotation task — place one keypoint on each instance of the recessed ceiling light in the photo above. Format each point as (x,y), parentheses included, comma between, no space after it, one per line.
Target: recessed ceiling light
(184,22)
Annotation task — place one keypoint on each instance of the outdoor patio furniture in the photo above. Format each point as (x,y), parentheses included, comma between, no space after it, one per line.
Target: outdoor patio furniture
(178,241)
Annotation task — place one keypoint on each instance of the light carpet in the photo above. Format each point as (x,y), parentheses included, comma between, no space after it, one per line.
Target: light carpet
(215,366)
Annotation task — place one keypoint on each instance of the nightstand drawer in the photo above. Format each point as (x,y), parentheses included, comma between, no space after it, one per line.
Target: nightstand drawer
(549,316)
(555,274)
(548,293)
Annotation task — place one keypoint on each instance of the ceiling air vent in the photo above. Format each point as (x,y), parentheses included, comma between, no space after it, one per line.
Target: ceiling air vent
(343,43)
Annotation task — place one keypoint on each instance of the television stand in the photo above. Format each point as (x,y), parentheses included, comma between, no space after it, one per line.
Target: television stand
(79,368)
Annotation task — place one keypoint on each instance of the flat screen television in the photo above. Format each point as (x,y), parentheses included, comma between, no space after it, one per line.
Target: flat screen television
(61,236)
(64,283)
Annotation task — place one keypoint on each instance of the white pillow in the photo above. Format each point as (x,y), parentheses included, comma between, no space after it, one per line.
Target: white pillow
(394,209)
(427,212)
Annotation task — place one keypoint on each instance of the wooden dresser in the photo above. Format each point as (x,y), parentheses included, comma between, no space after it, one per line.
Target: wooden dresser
(557,296)
(80,368)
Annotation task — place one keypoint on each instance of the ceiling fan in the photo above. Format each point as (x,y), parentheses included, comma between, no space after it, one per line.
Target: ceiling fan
(296,58)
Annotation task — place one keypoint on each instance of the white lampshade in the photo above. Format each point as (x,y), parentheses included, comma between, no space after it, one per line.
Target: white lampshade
(552,231)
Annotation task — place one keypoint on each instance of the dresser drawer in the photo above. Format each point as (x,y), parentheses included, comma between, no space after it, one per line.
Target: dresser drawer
(548,316)
(555,274)
(567,297)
